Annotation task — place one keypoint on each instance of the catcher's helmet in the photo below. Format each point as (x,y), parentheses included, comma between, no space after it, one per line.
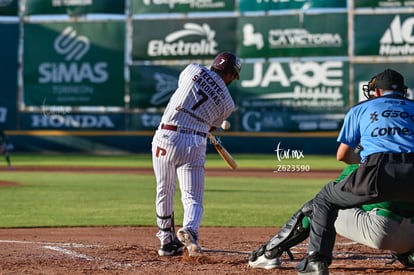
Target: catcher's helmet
(227,62)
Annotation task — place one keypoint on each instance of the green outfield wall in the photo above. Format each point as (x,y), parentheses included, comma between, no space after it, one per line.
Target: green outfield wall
(101,72)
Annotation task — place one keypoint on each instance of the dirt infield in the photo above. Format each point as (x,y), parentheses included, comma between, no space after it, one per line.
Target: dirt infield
(133,250)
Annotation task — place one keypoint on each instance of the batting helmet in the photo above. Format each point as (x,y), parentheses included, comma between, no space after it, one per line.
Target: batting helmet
(227,62)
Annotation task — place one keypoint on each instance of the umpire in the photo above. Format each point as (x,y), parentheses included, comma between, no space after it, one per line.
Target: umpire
(384,127)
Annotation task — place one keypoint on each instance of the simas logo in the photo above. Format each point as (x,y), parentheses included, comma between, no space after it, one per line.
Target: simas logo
(73,48)
(72,121)
(164,87)
(398,39)
(175,45)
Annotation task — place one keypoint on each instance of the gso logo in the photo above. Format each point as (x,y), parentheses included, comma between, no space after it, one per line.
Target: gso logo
(73,47)
(395,113)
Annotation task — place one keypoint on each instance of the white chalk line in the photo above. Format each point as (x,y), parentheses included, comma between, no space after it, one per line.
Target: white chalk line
(69,252)
(301,249)
(75,245)
(225,251)
(63,248)
(303,245)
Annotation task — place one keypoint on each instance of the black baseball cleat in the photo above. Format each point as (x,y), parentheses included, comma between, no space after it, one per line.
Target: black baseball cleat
(313,265)
(171,249)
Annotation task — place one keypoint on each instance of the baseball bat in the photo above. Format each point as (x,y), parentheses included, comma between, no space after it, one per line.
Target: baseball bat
(225,155)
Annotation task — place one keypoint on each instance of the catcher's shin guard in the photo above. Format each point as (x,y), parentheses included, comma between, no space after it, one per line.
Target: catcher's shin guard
(293,232)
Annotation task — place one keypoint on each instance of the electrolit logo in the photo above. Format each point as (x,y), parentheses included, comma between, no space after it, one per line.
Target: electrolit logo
(176,45)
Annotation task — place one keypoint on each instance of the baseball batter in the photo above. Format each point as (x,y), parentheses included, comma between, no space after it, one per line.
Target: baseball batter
(200,104)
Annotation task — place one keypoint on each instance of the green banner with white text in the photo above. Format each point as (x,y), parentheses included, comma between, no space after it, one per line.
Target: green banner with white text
(156,6)
(152,86)
(265,5)
(182,38)
(392,36)
(293,35)
(9,7)
(293,96)
(383,3)
(74,7)
(74,64)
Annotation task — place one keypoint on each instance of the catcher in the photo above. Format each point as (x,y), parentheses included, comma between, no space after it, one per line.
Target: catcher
(3,147)
(379,226)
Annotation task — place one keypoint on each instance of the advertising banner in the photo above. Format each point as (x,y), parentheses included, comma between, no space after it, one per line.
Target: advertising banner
(156,6)
(9,7)
(392,36)
(182,38)
(267,5)
(144,121)
(8,75)
(293,35)
(293,96)
(149,121)
(74,64)
(152,86)
(53,119)
(364,72)
(73,7)
(383,3)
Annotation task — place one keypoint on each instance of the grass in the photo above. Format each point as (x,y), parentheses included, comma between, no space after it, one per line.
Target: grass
(144,160)
(72,199)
